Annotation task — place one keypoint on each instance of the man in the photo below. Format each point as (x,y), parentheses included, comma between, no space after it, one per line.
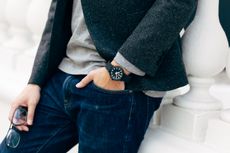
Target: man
(100,72)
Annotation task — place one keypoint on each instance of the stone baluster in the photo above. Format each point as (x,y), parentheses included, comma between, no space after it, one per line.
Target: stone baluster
(228,66)
(16,12)
(3,23)
(205,51)
(219,128)
(218,132)
(225,115)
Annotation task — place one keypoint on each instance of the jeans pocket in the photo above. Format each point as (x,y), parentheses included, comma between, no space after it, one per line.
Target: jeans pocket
(106,91)
(97,97)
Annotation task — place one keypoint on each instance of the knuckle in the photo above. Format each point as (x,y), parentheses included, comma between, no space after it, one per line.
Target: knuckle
(86,79)
(83,82)
(91,73)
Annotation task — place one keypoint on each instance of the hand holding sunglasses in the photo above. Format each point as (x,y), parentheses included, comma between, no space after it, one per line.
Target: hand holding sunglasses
(19,118)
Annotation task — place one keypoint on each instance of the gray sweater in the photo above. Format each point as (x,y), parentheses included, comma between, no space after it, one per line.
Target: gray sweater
(82,56)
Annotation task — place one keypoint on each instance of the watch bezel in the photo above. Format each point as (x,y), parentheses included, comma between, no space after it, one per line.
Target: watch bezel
(113,72)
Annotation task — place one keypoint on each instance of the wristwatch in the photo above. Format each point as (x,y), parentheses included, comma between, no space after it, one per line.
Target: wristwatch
(117,73)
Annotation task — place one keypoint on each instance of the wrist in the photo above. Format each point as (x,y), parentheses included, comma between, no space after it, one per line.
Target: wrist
(34,86)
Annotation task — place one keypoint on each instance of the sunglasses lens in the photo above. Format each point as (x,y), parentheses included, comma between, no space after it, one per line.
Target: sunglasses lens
(12,138)
(19,116)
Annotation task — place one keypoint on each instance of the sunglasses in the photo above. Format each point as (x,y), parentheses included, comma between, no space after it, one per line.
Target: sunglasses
(19,118)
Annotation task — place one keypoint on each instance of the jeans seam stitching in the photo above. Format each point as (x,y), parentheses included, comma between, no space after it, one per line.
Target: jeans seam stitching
(66,90)
(128,124)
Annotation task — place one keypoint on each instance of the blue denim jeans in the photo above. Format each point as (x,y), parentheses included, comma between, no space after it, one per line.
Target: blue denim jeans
(101,121)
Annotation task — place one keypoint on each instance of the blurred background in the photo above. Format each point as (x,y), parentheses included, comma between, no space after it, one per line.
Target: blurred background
(21,26)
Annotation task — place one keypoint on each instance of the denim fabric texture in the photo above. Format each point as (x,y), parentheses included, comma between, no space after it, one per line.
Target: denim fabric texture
(101,121)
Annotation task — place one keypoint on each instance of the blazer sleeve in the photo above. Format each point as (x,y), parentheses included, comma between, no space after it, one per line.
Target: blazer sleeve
(41,61)
(156,33)
(54,41)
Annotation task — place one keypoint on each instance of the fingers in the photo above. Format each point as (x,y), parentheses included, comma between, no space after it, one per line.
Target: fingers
(14,106)
(22,128)
(29,98)
(30,115)
(86,80)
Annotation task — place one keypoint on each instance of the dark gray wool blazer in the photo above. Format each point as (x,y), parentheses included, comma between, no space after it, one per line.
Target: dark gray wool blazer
(145,32)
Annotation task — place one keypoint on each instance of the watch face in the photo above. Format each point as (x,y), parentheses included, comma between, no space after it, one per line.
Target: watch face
(116,73)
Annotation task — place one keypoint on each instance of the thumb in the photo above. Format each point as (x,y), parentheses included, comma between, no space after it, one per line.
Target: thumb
(30,115)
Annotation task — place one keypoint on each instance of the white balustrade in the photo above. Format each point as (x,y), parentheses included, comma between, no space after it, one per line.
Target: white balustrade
(228,65)
(225,115)
(13,15)
(218,133)
(35,19)
(205,50)
(25,20)
(16,12)
(3,23)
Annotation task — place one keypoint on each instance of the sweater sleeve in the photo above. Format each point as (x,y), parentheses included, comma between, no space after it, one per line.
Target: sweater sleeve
(127,65)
